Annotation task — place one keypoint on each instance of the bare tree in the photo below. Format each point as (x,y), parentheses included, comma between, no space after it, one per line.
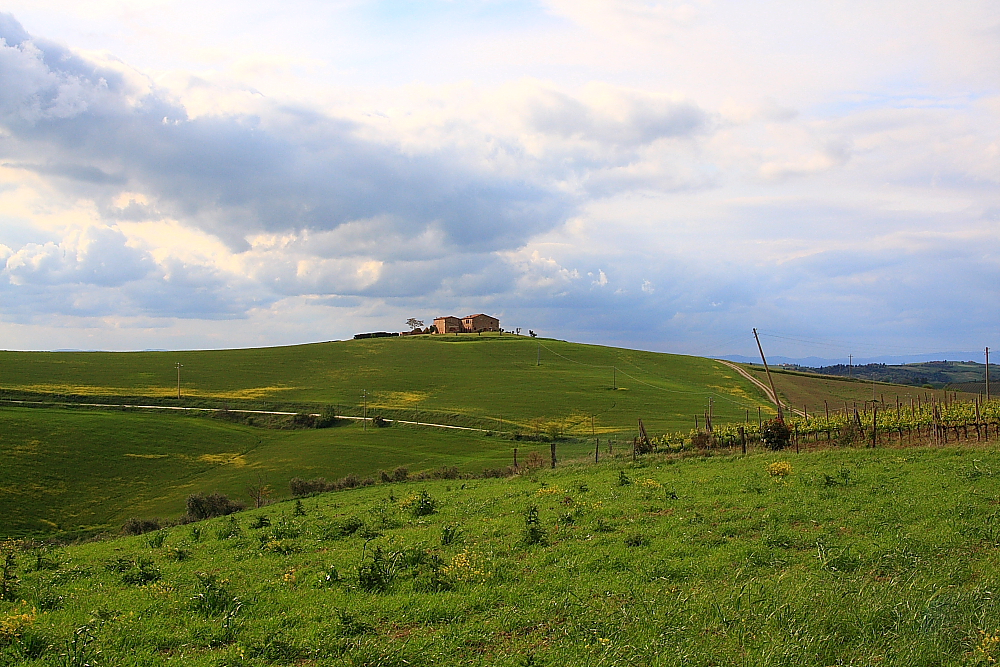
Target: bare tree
(259,490)
(414,324)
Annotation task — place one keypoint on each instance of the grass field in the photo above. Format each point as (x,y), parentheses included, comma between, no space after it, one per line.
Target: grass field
(809,391)
(852,557)
(67,470)
(467,380)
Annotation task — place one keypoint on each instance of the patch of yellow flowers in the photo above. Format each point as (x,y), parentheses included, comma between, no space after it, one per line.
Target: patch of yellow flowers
(13,626)
(650,484)
(463,567)
(550,491)
(779,469)
(988,647)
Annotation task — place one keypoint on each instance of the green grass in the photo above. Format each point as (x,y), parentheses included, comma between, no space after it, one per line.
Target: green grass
(858,557)
(72,469)
(468,380)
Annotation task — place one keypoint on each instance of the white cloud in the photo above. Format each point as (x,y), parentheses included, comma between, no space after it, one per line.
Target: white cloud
(774,161)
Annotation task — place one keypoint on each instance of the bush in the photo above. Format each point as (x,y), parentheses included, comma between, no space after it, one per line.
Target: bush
(775,434)
(328,418)
(137,526)
(379,422)
(201,506)
(302,487)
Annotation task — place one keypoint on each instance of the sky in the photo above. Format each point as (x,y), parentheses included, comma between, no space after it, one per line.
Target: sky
(655,175)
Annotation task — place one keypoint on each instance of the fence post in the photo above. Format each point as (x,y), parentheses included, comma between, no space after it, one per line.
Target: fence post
(743,440)
(515,458)
(597,449)
(874,423)
(553,447)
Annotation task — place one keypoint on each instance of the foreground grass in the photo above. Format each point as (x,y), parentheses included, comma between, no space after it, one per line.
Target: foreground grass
(73,470)
(861,557)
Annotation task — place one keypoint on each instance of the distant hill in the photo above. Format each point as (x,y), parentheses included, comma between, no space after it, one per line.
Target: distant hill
(962,375)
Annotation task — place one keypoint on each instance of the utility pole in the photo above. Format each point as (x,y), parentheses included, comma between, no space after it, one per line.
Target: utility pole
(538,357)
(774,392)
(850,365)
(614,377)
(364,419)
(987,375)
(178,366)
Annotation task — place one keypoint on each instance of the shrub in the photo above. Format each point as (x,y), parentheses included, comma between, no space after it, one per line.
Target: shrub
(137,526)
(497,473)
(534,460)
(302,487)
(201,506)
(775,434)
(400,474)
(378,421)
(623,479)
(259,522)
(328,418)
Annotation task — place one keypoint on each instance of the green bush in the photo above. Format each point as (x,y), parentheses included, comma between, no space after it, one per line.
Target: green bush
(775,434)
(201,506)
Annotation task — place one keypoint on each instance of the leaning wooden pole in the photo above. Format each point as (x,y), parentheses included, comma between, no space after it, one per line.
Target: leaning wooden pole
(774,392)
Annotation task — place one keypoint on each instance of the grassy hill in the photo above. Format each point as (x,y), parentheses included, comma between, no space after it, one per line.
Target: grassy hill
(846,556)
(469,380)
(84,469)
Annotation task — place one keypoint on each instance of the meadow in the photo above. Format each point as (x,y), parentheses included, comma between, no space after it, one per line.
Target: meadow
(81,471)
(75,470)
(836,557)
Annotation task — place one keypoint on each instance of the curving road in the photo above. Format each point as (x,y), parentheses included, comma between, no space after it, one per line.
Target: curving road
(766,389)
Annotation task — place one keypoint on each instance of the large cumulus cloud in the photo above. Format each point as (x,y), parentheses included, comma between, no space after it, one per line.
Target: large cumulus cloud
(285,168)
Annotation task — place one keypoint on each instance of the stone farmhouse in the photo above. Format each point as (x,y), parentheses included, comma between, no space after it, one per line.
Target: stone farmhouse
(468,324)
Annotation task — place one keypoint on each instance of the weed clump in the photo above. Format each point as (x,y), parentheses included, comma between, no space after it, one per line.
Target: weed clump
(421,505)
(8,578)
(533,531)
(213,597)
(377,575)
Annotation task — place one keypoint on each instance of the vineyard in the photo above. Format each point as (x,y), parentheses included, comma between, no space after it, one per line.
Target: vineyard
(872,422)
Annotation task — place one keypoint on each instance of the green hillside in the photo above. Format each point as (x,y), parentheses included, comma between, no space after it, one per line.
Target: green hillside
(73,470)
(469,380)
(840,557)
(83,469)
